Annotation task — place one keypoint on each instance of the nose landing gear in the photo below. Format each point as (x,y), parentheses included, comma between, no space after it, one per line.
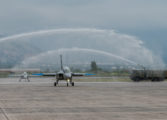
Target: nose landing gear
(55,84)
(68,82)
(72,83)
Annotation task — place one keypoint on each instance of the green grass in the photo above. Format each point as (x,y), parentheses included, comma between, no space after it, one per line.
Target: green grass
(103,80)
(109,74)
(4,75)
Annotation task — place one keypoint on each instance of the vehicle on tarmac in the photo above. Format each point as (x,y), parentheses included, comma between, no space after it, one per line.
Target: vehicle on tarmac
(145,75)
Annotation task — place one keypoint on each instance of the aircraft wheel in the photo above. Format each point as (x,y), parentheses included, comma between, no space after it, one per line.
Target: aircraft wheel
(72,83)
(55,84)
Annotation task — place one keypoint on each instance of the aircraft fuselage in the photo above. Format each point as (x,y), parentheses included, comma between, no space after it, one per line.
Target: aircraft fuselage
(63,76)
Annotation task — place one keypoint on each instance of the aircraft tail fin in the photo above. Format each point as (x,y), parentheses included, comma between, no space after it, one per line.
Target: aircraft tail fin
(61,61)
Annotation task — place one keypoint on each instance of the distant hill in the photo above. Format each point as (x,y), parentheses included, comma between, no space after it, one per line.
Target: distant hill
(12,53)
(154,39)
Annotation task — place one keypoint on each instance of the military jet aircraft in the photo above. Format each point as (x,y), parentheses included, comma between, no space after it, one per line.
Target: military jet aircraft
(63,74)
(24,76)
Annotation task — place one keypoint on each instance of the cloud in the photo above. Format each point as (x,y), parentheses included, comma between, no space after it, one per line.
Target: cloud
(129,14)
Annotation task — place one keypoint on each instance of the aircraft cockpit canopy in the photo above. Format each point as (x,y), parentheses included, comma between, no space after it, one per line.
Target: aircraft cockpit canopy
(67,70)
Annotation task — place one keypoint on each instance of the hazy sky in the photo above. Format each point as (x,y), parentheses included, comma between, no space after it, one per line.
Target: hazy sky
(131,15)
(145,19)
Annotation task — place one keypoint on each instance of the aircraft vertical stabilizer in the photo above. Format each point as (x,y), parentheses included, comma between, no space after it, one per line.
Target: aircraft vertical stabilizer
(61,62)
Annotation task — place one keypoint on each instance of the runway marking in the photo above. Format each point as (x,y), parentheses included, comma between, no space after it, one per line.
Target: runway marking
(4,113)
(43,83)
(83,110)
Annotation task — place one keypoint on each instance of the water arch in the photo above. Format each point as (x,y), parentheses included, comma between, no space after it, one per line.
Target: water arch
(75,53)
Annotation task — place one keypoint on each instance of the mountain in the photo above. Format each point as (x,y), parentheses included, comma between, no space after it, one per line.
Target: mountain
(13,53)
(154,39)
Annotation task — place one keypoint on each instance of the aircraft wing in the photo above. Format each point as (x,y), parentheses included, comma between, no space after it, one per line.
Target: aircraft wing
(15,75)
(45,74)
(20,75)
(82,74)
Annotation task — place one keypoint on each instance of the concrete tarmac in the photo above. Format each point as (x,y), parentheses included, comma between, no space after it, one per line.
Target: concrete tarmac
(40,100)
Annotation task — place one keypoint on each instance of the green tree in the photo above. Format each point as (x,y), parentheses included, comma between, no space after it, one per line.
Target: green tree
(94,67)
